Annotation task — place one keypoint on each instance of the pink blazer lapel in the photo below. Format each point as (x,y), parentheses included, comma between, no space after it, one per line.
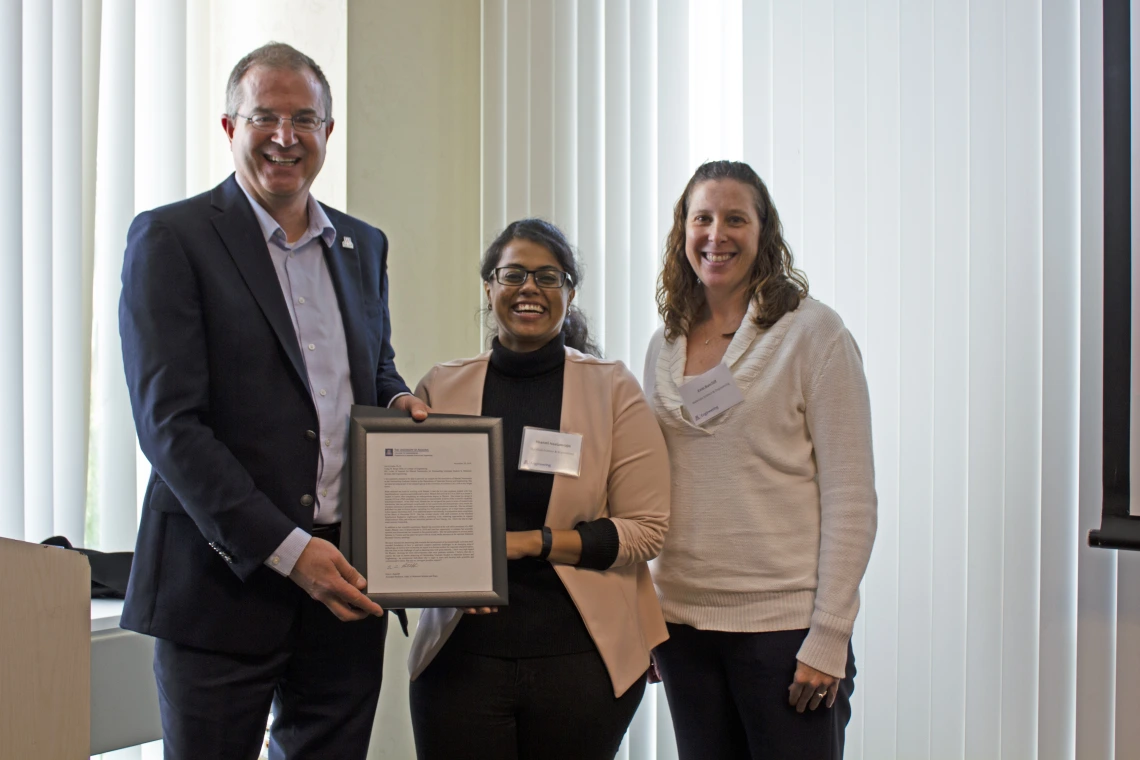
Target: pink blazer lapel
(586,410)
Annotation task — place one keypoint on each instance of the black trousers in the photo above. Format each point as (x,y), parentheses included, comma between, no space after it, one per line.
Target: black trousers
(728,695)
(322,686)
(490,708)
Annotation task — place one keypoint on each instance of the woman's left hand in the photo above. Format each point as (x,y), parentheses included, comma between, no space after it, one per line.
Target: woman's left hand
(811,687)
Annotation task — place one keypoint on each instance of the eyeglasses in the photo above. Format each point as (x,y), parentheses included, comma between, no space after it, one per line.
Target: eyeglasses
(271,122)
(551,279)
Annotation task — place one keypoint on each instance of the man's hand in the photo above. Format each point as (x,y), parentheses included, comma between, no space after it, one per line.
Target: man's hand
(324,574)
(412,405)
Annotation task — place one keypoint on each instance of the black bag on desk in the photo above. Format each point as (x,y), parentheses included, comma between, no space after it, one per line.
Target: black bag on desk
(109,570)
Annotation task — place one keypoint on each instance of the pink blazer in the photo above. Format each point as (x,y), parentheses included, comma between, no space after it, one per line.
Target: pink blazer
(625,477)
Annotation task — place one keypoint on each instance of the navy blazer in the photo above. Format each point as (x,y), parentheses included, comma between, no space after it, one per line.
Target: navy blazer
(223,412)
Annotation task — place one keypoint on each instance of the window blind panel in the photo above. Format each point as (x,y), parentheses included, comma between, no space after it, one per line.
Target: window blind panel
(1127,652)
(591,164)
(1060,424)
(645,243)
(987,379)
(951,340)
(566,118)
(732,87)
(69,388)
(616,26)
(37,278)
(160,88)
(851,286)
(542,89)
(517,110)
(92,13)
(786,182)
(641,741)
(160,76)
(817,252)
(706,82)
(494,168)
(881,355)
(1096,569)
(917,301)
(1021,609)
(11,276)
(113,435)
(756,85)
(199,78)
(673,163)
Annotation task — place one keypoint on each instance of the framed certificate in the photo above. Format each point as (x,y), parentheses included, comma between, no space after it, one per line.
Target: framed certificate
(427,523)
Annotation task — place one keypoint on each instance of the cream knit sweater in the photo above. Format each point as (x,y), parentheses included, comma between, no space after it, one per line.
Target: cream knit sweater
(773,508)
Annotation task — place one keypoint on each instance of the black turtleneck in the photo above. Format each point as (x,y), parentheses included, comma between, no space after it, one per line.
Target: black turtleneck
(525,389)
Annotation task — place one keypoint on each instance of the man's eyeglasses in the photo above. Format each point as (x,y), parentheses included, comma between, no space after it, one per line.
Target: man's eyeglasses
(271,122)
(551,279)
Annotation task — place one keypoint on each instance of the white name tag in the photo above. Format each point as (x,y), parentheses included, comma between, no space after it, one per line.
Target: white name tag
(551,451)
(710,394)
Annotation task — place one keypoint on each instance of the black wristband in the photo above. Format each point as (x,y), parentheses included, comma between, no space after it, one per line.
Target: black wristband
(547,543)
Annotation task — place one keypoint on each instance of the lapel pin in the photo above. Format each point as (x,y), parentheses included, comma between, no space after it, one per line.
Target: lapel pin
(346,242)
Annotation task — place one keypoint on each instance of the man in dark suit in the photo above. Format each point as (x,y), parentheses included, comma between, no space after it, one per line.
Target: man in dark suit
(252,317)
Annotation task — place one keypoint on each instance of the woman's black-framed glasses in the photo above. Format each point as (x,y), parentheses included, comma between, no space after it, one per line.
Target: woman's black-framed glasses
(551,279)
(270,122)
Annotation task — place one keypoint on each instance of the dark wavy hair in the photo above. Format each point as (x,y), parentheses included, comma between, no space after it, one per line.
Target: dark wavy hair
(575,331)
(775,284)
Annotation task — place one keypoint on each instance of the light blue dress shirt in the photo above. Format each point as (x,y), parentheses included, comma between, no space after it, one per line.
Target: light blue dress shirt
(308,289)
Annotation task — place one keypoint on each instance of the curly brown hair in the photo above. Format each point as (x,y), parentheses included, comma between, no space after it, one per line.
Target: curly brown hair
(775,283)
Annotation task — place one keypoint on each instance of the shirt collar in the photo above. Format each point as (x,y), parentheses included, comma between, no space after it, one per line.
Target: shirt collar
(319,223)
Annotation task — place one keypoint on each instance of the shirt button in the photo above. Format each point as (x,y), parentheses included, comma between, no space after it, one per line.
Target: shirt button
(306,500)
(301,299)
(276,560)
(328,441)
(324,492)
(324,392)
(312,347)
(311,435)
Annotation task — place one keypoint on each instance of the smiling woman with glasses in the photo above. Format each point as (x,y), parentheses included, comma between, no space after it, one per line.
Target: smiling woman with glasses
(560,671)
(547,277)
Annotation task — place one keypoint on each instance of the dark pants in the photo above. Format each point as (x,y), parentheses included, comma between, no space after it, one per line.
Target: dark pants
(491,708)
(323,686)
(728,695)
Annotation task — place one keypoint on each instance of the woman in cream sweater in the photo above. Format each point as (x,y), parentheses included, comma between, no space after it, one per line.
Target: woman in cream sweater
(774,507)
(560,671)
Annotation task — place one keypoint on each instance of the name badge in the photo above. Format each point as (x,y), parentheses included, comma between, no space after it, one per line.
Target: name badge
(710,394)
(551,451)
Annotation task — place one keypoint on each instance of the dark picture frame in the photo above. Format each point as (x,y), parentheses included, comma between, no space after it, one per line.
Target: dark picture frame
(365,420)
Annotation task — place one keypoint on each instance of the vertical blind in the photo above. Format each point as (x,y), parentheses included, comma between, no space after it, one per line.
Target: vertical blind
(936,164)
(120,104)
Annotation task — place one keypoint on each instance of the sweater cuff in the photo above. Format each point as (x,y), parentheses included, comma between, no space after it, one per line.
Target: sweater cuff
(825,647)
(599,543)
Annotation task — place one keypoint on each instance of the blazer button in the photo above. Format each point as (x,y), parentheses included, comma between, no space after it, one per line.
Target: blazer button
(306,500)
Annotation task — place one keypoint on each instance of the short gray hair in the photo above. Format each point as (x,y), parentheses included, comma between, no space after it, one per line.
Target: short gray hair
(275,55)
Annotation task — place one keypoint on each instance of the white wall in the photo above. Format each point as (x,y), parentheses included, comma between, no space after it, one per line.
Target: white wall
(413,166)
(412,118)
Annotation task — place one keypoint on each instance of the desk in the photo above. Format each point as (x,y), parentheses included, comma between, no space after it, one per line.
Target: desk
(124,698)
